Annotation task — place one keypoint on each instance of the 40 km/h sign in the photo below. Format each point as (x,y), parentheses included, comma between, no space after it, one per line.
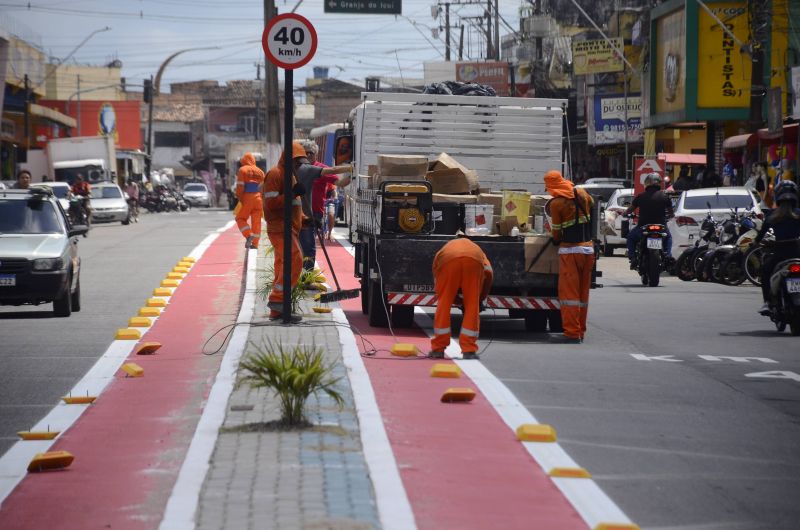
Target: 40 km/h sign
(289,41)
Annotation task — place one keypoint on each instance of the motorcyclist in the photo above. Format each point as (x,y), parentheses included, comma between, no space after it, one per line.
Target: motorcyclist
(82,190)
(785,224)
(654,208)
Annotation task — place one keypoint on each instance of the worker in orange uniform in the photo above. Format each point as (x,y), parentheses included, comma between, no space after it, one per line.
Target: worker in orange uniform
(570,213)
(249,212)
(273,211)
(460,264)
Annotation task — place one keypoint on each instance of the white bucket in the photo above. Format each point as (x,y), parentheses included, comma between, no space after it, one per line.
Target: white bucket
(478,216)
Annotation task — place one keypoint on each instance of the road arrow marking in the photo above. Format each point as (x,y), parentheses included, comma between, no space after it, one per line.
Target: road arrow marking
(776,375)
(665,358)
(737,359)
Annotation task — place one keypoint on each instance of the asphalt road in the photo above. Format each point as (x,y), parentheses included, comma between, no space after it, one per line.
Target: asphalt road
(683,402)
(42,357)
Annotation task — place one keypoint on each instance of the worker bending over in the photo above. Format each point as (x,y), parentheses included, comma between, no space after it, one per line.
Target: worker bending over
(460,264)
(570,213)
(249,180)
(274,200)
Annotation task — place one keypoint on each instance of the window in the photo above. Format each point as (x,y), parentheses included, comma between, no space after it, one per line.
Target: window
(195,187)
(106,192)
(172,139)
(247,123)
(717,202)
(32,216)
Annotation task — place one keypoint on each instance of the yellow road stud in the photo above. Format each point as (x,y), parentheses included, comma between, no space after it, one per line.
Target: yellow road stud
(185,264)
(50,460)
(133,370)
(445,370)
(162,291)
(569,472)
(128,334)
(38,435)
(175,275)
(617,526)
(453,395)
(189,259)
(139,322)
(78,400)
(147,348)
(156,302)
(535,432)
(181,269)
(149,311)
(170,283)
(403,349)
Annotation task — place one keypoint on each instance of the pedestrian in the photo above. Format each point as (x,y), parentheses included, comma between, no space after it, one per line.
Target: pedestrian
(685,181)
(249,212)
(315,177)
(710,179)
(570,213)
(459,265)
(274,200)
(132,189)
(23,180)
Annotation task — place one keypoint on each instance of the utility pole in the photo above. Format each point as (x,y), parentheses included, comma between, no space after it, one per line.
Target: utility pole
(489,41)
(258,103)
(759,19)
(496,30)
(79,105)
(148,96)
(273,125)
(27,116)
(447,31)
(461,44)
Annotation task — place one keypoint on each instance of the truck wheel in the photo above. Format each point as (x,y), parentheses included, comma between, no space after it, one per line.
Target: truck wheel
(554,319)
(536,321)
(62,306)
(608,250)
(364,296)
(376,312)
(402,316)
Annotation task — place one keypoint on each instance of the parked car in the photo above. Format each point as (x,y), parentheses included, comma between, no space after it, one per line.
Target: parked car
(197,194)
(693,205)
(60,189)
(611,223)
(622,182)
(600,191)
(108,204)
(39,260)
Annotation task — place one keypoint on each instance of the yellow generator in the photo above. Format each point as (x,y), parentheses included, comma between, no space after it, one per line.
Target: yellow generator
(406,207)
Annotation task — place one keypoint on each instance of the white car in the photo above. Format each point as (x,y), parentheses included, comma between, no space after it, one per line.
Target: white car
(108,204)
(601,191)
(197,194)
(611,223)
(693,205)
(60,189)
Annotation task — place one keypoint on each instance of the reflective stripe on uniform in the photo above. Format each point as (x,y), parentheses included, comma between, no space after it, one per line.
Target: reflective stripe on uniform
(277,287)
(251,187)
(441,331)
(297,202)
(487,268)
(576,303)
(469,332)
(566,224)
(576,250)
(244,228)
(271,194)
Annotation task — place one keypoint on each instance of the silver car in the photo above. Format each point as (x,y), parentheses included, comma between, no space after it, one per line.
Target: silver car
(60,189)
(611,222)
(197,194)
(108,204)
(39,260)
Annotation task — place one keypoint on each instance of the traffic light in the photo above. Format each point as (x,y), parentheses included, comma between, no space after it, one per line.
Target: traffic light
(148,91)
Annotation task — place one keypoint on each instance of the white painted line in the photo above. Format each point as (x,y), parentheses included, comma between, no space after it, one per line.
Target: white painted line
(14,463)
(394,509)
(182,503)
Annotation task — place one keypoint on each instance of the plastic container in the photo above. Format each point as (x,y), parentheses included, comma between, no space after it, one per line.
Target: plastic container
(517,204)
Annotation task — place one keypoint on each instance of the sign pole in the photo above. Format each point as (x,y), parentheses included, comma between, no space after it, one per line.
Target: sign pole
(288,170)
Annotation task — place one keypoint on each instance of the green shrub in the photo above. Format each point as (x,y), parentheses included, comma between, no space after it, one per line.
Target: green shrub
(293,373)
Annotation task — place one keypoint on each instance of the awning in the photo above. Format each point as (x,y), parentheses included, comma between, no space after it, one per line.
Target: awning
(739,141)
(52,115)
(788,134)
(682,158)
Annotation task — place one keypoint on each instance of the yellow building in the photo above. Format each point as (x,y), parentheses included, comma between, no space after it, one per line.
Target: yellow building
(94,82)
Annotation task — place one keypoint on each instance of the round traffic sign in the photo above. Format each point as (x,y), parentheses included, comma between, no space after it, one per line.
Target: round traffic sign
(289,40)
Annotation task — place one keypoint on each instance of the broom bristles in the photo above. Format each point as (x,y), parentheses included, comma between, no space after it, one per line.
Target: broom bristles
(337,296)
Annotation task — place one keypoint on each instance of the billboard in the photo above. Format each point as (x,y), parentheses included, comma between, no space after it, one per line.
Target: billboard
(643,166)
(118,119)
(725,79)
(596,56)
(670,62)
(609,119)
(492,73)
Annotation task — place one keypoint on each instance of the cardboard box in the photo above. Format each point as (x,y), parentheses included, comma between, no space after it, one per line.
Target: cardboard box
(372,170)
(407,166)
(495,199)
(447,175)
(460,199)
(503,226)
(547,262)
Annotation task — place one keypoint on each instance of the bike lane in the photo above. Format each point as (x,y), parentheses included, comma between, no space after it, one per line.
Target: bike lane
(460,464)
(130,443)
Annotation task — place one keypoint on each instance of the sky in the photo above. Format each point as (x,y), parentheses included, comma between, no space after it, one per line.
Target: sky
(145,32)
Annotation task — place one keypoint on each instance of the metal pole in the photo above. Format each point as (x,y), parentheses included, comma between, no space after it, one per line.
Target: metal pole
(496,31)
(447,31)
(461,44)
(489,39)
(148,163)
(273,124)
(79,105)
(27,115)
(625,90)
(288,169)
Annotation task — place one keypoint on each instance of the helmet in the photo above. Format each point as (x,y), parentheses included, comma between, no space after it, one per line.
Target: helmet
(653,179)
(786,190)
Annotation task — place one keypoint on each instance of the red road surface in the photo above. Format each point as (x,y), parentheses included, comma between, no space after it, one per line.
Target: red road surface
(461,465)
(129,445)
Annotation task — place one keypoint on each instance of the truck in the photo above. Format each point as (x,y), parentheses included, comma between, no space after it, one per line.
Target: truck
(92,156)
(510,142)
(234,152)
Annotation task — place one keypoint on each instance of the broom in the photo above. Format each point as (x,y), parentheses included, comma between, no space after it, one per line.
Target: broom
(338,294)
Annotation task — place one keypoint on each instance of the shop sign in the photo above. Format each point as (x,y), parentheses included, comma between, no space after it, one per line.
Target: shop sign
(492,73)
(596,56)
(643,166)
(670,63)
(724,75)
(609,119)
(796,92)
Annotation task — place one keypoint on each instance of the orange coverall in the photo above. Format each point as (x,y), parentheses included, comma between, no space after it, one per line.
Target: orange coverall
(460,264)
(248,183)
(273,211)
(576,260)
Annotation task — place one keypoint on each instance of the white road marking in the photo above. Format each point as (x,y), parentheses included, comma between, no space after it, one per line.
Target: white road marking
(737,359)
(665,358)
(776,375)
(14,463)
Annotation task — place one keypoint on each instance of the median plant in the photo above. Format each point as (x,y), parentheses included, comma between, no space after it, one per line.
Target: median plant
(293,373)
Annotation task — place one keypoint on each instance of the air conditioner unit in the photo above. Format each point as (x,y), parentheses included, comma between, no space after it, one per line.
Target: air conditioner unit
(540,25)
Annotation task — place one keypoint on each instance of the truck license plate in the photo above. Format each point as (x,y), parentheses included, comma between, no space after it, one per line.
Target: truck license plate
(417,288)
(793,285)
(654,243)
(8,280)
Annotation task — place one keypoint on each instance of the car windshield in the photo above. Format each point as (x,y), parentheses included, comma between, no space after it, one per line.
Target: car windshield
(194,187)
(31,216)
(106,192)
(59,191)
(602,192)
(717,201)
(624,200)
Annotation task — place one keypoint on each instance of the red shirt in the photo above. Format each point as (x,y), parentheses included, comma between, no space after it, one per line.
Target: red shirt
(319,190)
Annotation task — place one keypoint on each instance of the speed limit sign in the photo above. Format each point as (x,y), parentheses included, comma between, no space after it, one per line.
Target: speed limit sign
(289,41)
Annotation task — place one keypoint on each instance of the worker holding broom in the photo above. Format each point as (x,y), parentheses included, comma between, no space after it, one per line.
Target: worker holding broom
(460,264)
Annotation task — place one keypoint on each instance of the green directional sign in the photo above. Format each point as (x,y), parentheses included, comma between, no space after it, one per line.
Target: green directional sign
(369,7)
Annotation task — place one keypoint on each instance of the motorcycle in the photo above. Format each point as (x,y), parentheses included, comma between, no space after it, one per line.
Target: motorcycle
(685,265)
(650,257)
(152,202)
(785,296)
(725,263)
(183,204)
(79,213)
